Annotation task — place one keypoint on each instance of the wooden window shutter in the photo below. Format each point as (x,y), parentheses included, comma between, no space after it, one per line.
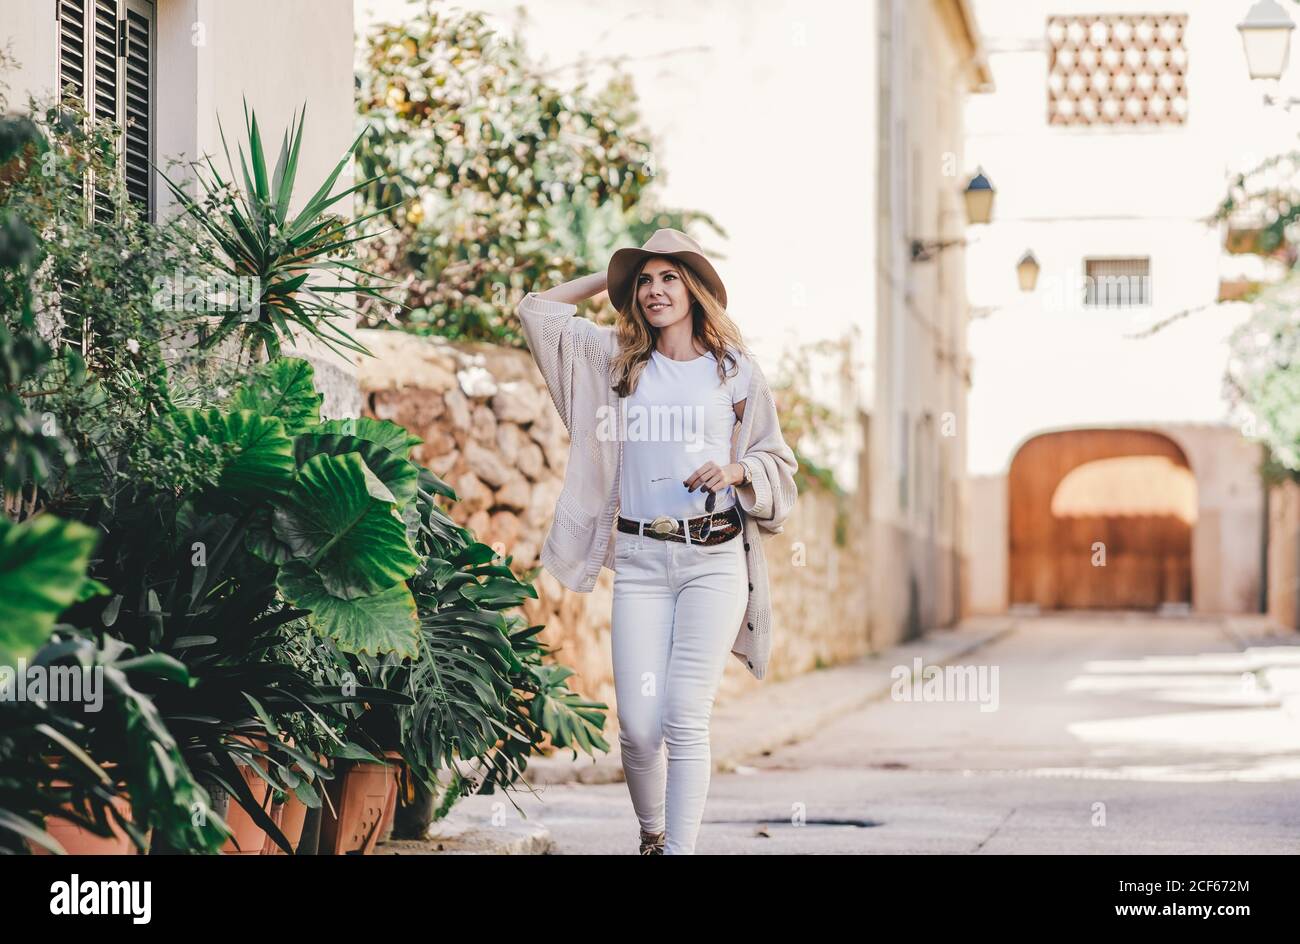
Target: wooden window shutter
(107,60)
(138,67)
(104,84)
(72,47)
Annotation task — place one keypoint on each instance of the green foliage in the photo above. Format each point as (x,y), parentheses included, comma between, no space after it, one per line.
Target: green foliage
(384,621)
(345,523)
(491,176)
(483,700)
(56,756)
(165,795)
(231,563)
(802,416)
(1263,375)
(315,502)
(156,479)
(42,573)
(1267,198)
(302,267)
(254,453)
(29,446)
(1262,379)
(382,433)
(282,389)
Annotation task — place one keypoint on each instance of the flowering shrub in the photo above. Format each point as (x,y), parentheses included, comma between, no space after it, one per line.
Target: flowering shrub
(492,177)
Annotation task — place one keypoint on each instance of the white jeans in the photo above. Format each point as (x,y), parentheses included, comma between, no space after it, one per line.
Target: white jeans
(677,608)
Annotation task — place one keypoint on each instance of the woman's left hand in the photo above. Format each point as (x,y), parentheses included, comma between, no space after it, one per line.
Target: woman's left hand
(715,477)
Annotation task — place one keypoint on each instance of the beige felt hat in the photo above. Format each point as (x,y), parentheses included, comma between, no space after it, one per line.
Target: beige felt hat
(665,242)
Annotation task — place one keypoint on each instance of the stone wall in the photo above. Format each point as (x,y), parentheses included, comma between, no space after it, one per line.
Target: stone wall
(491,432)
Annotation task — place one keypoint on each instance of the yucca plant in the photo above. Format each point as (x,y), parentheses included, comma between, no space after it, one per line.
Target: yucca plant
(302,266)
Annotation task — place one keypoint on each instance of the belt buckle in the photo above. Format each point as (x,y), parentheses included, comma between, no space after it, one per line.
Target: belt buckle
(663,525)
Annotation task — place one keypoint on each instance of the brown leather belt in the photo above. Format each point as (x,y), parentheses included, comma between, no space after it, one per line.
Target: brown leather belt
(726,525)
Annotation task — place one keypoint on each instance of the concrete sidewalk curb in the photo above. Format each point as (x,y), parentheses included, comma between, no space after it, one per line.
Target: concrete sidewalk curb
(1262,638)
(1272,651)
(779,713)
(469,830)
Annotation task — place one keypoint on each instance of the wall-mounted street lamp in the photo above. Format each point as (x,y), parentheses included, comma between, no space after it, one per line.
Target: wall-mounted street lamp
(1266,36)
(978,198)
(1027,271)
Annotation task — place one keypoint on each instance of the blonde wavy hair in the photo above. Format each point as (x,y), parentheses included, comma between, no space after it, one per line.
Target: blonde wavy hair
(711,326)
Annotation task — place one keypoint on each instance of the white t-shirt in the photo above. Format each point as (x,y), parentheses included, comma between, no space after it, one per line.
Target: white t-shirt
(679,417)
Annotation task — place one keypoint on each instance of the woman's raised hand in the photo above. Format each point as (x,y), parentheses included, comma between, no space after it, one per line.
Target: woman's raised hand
(577,290)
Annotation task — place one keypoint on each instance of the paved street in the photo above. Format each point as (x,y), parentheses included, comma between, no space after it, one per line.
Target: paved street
(1116,733)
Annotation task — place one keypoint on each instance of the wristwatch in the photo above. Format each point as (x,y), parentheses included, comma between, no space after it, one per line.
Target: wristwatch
(745,477)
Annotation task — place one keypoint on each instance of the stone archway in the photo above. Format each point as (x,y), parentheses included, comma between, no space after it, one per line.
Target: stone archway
(1100,518)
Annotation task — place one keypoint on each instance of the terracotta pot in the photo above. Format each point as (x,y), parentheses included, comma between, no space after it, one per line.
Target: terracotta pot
(395,765)
(289,816)
(359,794)
(295,815)
(277,816)
(248,838)
(77,840)
(309,842)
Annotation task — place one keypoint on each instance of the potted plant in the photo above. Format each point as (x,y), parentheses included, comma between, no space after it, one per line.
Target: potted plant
(289,813)
(120,769)
(65,827)
(247,835)
(359,795)
(79,840)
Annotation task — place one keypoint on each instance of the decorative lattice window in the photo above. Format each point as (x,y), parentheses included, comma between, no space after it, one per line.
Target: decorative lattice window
(1117,69)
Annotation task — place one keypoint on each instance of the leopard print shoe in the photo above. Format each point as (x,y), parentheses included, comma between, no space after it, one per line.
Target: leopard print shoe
(652,843)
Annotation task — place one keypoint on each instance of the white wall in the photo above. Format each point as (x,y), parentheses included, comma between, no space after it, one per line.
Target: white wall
(29,31)
(1042,360)
(279,55)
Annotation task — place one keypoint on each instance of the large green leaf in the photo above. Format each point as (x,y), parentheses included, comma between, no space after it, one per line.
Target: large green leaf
(42,573)
(284,388)
(400,475)
(382,433)
(344,522)
(383,622)
(261,464)
(260,539)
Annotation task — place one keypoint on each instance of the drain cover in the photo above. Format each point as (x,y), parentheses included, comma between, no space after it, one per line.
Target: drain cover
(811,821)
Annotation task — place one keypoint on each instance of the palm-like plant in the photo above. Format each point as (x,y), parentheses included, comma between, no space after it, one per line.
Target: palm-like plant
(48,742)
(302,265)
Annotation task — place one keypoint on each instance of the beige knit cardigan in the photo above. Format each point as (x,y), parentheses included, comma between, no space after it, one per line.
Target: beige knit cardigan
(574,355)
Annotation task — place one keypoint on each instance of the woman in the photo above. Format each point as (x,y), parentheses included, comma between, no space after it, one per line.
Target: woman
(677,467)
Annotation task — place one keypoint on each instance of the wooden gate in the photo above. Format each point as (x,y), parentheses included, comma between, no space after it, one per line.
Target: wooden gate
(1101,518)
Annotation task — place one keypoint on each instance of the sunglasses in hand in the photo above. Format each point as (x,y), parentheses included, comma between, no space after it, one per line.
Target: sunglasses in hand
(708,509)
